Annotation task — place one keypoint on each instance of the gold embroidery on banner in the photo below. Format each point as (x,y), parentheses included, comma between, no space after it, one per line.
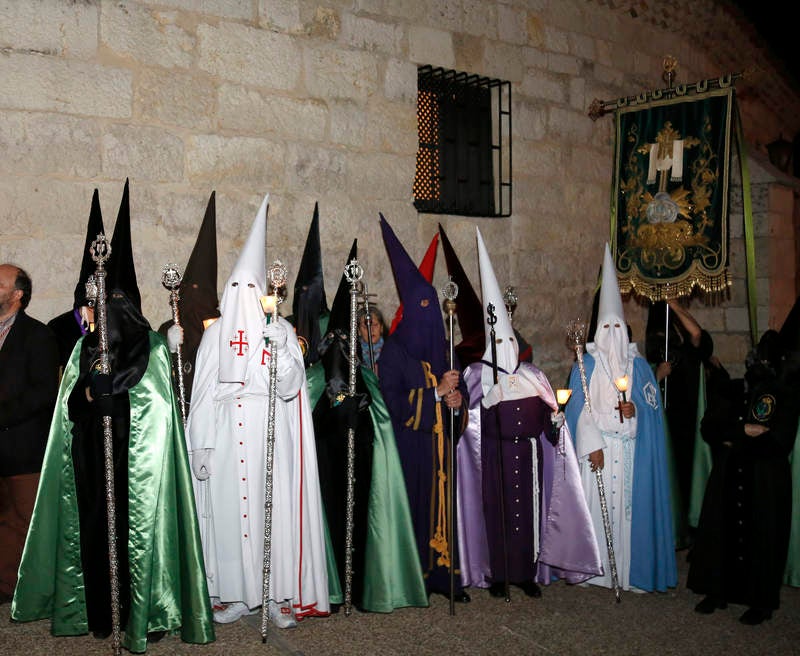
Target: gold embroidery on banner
(658,228)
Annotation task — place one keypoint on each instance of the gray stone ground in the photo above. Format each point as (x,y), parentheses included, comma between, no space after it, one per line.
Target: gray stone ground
(566,620)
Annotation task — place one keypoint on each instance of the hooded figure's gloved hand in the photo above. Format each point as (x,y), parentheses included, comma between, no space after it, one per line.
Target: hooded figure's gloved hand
(493,396)
(174,337)
(201,464)
(276,334)
(100,387)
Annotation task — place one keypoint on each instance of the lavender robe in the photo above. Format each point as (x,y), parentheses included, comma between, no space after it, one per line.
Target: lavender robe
(568,546)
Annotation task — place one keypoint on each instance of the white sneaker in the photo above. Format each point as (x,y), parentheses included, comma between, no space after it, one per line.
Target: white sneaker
(231,613)
(282,615)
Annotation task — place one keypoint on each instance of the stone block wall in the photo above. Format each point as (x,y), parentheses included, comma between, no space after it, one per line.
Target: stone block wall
(316,101)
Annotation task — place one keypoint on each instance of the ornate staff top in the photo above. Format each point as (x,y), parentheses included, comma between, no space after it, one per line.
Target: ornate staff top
(510,299)
(276,276)
(450,289)
(450,293)
(353,272)
(171,276)
(100,249)
(576,333)
(91,290)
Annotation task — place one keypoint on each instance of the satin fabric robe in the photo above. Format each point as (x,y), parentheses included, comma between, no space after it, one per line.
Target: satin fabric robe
(392,576)
(644,545)
(167,578)
(230,418)
(567,545)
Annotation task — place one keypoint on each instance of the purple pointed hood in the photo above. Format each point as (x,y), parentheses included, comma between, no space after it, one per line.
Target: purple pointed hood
(421,330)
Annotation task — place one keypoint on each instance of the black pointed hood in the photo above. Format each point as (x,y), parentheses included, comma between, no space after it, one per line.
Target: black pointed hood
(88,266)
(790,330)
(309,304)
(121,269)
(127,329)
(198,298)
(469,309)
(334,349)
(339,320)
(789,337)
(198,293)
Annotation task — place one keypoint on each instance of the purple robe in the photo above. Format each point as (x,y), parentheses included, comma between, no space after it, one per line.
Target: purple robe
(567,545)
(408,387)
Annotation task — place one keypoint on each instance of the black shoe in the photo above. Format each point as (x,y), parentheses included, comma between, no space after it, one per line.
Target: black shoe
(531,589)
(460,597)
(497,589)
(101,634)
(155,636)
(709,605)
(753,616)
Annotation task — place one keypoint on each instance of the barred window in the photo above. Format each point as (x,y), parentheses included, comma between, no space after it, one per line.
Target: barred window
(464,153)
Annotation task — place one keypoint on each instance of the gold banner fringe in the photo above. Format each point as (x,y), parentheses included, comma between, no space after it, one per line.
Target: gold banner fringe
(715,287)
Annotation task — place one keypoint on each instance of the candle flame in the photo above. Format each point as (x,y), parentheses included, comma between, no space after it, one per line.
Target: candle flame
(269,303)
(622,383)
(208,322)
(562,396)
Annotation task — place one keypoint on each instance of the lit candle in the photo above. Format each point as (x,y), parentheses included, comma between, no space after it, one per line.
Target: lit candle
(622,385)
(208,322)
(269,304)
(562,396)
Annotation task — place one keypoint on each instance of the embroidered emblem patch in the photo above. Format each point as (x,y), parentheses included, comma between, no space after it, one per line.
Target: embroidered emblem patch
(764,407)
(513,382)
(650,395)
(239,344)
(303,344)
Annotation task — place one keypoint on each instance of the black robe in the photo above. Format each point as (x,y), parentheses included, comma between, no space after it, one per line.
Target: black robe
(743,534)
(129,351)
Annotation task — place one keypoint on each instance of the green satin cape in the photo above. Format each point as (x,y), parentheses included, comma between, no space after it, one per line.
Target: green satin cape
(393,574)
(168,584)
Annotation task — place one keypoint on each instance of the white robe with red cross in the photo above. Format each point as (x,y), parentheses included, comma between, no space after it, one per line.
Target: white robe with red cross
(231,419)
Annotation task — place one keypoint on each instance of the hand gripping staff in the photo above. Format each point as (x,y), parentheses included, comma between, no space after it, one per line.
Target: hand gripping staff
(276,275)
(450,292)
(171,279)
(100,251)
(576,332)
(492,320)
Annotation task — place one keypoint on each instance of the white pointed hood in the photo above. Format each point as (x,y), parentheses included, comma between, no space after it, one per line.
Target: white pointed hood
(611,335)
(507,347)
(242,320)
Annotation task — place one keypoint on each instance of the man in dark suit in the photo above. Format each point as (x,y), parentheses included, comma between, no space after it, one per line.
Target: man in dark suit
(28,388)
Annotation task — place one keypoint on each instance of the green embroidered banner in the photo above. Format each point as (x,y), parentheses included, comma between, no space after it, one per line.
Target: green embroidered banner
(670,197)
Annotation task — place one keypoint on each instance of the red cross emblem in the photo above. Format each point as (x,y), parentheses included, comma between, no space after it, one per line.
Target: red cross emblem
(242,344)
(264,355)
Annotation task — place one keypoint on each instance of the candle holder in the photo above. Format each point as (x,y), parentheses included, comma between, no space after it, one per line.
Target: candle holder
(622,387)
(562,397)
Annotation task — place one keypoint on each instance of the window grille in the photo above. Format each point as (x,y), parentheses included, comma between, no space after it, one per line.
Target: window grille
(464,153)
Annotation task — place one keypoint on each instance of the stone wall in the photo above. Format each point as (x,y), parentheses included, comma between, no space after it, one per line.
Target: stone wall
(315,101)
